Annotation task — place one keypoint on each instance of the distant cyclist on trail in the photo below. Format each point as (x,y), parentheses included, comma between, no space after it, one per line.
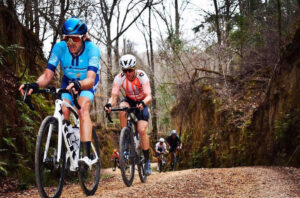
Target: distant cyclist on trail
(160,148)
(136,84)
(174,144)
(79,60)
(115,157)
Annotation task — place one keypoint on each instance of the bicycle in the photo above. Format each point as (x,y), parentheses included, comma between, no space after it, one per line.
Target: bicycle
(130,148)
(161,162)
(175,158)
(58,148)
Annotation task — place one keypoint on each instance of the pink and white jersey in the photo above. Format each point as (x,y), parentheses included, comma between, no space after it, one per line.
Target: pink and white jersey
(134,90)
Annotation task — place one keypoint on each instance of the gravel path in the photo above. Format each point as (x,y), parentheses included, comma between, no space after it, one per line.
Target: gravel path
(279,182)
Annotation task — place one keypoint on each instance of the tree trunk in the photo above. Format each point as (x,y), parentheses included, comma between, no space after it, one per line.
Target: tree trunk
(279,21)
(241,7)
(227,18)
(177,19)
(152,83)
(117,56)
(36,18)
(26,13)
(218,34)
(217,22)
(109,63)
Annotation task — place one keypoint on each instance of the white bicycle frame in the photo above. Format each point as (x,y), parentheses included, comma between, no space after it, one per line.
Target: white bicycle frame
(61,133)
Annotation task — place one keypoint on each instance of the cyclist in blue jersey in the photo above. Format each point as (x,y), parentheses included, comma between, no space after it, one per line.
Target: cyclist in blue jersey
(79,60)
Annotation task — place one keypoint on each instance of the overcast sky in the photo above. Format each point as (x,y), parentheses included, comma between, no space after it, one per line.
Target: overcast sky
(189,19)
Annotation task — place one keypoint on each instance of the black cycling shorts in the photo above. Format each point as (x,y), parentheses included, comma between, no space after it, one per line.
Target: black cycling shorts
(141,115)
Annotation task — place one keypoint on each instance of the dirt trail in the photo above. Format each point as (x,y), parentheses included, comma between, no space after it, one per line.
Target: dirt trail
(279,182)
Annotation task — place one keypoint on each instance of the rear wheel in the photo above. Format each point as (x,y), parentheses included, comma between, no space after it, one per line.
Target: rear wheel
(127,156)
(89,177)
(49,173)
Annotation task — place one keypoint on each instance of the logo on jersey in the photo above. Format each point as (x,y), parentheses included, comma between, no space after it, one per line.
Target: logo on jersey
(94,61)
(141,74)
(53,59)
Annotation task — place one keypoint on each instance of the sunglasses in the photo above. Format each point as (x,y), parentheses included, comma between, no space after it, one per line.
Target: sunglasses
(74,38)
(127,70)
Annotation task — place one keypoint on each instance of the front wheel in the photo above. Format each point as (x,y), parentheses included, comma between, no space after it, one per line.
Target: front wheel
(127,156)
(49,172)
(140,163)
(160,165)
(173,164)
(89,177)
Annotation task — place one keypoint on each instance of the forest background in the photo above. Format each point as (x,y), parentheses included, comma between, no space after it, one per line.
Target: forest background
(229,85)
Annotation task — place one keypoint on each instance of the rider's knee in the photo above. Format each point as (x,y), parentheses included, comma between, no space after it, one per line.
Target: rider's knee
(83,112)
(142,131)
(142,128)
(122,105)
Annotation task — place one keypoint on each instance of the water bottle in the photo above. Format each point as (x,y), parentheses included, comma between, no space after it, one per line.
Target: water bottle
(73,137)
(76,143)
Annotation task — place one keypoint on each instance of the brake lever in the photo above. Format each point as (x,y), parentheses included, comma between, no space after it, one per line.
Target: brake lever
(28,102)
(108,117)
(25,95)
(75,100)
(27,98)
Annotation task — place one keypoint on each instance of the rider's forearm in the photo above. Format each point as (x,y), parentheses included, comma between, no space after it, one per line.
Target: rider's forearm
(148,99)
(45,78)
(87,83)
(113,100)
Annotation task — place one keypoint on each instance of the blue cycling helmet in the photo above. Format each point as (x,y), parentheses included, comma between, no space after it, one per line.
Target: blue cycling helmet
(74,26)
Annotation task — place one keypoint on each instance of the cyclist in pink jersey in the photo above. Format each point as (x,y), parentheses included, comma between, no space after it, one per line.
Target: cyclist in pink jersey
(138,94)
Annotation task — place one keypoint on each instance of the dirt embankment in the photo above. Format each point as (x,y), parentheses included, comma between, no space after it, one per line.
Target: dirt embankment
(279,182)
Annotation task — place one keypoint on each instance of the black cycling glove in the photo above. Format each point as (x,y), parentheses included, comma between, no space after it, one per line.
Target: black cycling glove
(141,102)
(33,86)
(77,85)
(108,105)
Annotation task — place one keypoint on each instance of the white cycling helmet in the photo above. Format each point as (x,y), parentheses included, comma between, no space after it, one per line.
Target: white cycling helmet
(162,140)
(173,132)
(127,61)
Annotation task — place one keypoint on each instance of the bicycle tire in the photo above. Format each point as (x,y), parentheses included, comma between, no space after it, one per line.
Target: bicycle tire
(141,170)
(160,166)
(173,163)
(83,173)
(127,155)
(43,188)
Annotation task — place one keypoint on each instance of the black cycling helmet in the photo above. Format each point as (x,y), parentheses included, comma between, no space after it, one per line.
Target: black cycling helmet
(74,25)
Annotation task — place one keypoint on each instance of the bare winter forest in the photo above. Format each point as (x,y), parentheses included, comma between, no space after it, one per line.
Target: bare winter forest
(229,84)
